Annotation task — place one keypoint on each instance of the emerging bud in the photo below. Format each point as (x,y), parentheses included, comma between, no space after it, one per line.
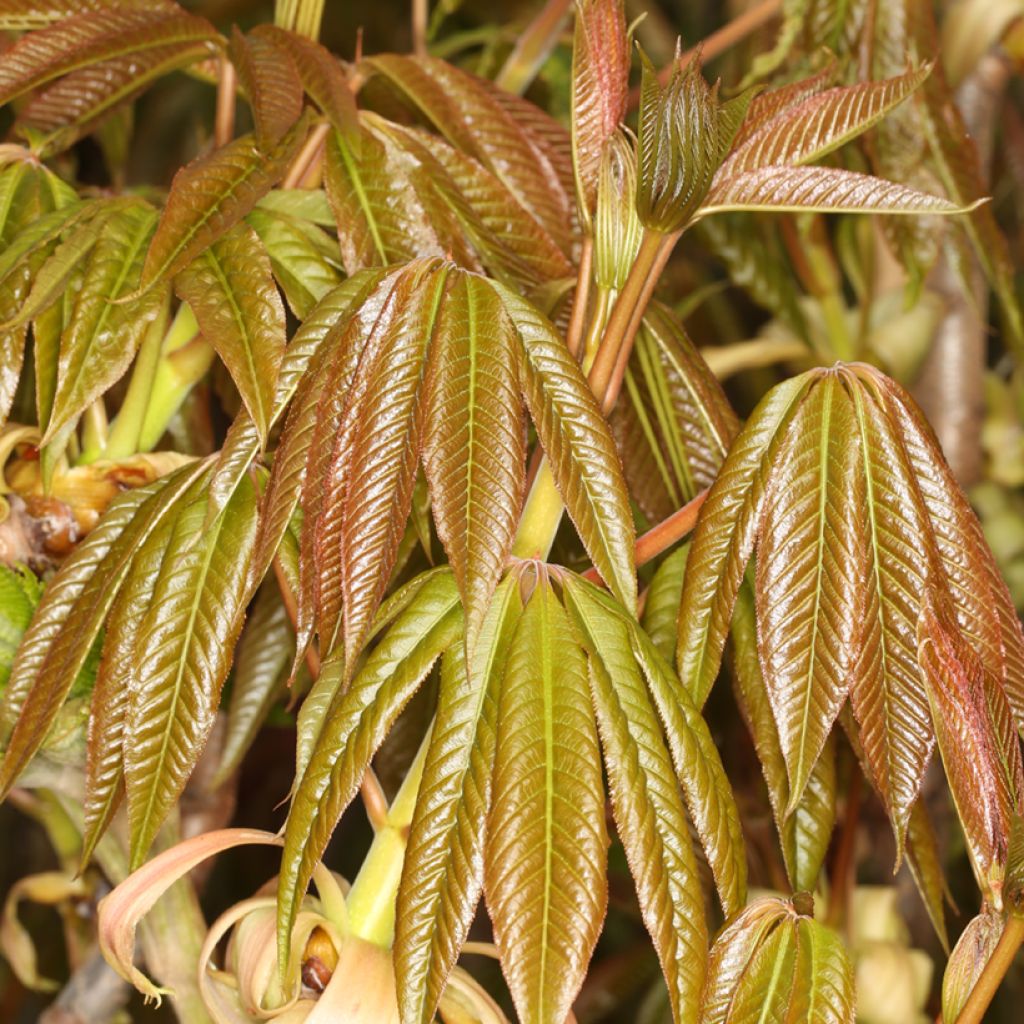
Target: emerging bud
(617,228)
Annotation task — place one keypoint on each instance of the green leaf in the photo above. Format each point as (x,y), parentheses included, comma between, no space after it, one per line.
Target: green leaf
(579,447)
(232,293)
(210,195)
(706,788)
(546,856)
(372,469)
(821,123)
(303,258)
(649,814)
(474,440)
(71,613)
(600,88)
(443,867)
(514,140)
(101,337)
(264,654)
(20,592)
(925,863)
(321,75)
(821,190)
(805,833)
(355,727)
(808,583)
(271,82)
(971,953)
(183,652)
(661,609)
(724,538)
(93,37)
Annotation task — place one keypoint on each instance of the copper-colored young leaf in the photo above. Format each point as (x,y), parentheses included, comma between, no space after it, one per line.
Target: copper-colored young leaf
(649,814)
(821,123)
(508,136)
(808,577)
(93,37)
(924,859)
(821,190)
(101,337)
(372,470)
(321,76)
(265,652)
(600,87)
(985,800)
(355,726)
(772,102)
(579,446)
(303,257)
(25,15)
(271,82)
(804,834)
(887,694)
(210,195)
(443,869)
(232,293)
(676,427)
(184,647)
(706,788)
(969,957)
(474,439)
(71,613)
(724,539)
(546,856)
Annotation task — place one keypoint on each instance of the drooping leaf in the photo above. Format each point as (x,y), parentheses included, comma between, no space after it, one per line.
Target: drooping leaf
(510,137)
(649,814)
(183,652)
(372,470)
(821,123)
(25,15)
(724,539)
(231,291)
(546,856)
(600,86)
(821,190)
(579,446)
(443,867)
(93,37)
(271,81)
(71,613)
(210,195)
(925,862)
(265,652)
(102,337)
(474,449)
(355,727)
(808,565)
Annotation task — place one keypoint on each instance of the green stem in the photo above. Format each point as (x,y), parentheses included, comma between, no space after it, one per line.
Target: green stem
(371,900)
(995,970)
(533,47)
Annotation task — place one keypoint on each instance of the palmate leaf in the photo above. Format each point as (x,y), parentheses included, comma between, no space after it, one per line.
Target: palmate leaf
(524,148)
(600,87)
(183,652)
(474,450)
(354,727)
(808,569)
(71,614)
(101,336)
(231,291)
(210,195)
(271,82)
(821,190)
(819,124)
(649,815)
(546,855)
(94,37)
(443,867)
(675,428)
(579,446)
(724,539)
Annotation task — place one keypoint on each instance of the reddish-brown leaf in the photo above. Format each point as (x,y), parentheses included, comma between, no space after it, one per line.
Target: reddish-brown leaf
(271,82)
